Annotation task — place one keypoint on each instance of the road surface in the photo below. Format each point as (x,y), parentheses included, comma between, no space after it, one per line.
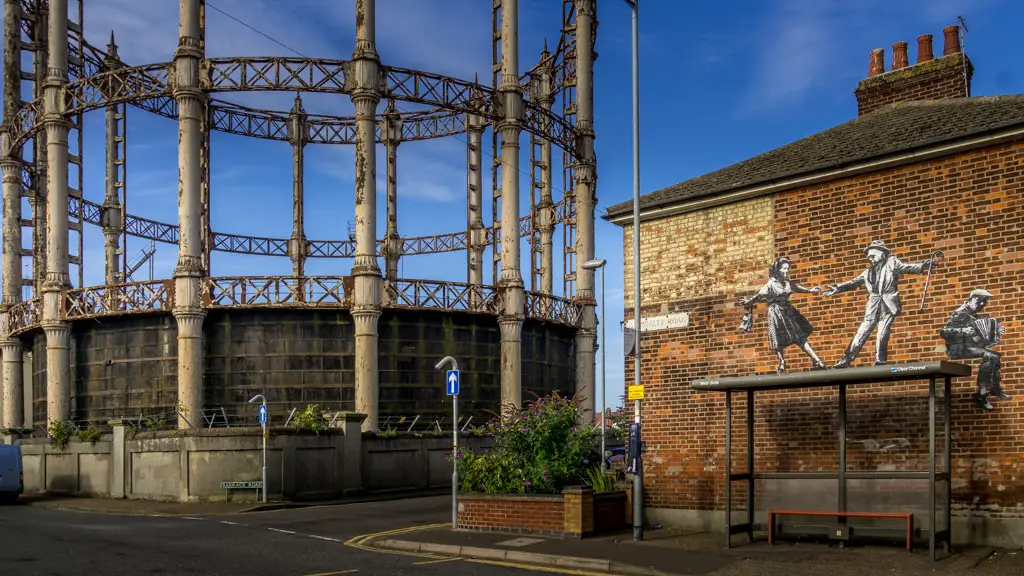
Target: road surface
(39,541)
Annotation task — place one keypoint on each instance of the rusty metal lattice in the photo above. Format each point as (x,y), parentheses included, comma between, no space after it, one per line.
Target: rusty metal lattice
(332,248)
(91,212)
(24,315)
(25,123)
(130,84)
(434,244)
(434,89)
(548,308)
(250,244)
(151,229)
(290,292)
(130,298)
(434,125)
(438,295)
(242,291)
(249,123)
(276,73)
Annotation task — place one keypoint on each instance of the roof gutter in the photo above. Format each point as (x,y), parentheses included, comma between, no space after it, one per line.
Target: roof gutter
(822,176)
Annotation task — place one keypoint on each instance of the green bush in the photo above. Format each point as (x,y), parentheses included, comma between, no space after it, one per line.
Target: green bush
(60,433)
(539,449)
(91,434)
(600,481)
(312,418)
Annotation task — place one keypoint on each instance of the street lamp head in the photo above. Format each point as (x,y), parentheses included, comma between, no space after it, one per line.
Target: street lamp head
(257,397)
(594,264)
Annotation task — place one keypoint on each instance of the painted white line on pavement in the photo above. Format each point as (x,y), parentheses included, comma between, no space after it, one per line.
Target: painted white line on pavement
(231,523)
(323,538)
(281,531)
(191,518)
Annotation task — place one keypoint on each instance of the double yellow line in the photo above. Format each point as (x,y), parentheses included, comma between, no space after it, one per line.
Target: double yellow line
(360,542)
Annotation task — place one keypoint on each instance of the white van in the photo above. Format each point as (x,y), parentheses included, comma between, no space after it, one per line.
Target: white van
(12,477)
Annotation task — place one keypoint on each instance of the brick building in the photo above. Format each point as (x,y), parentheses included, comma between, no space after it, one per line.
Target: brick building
(923,167)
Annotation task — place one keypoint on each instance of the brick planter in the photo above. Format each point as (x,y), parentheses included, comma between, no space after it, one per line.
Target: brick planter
(576,513)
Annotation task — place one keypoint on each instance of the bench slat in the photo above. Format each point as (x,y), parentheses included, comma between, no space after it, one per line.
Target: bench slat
(908,516)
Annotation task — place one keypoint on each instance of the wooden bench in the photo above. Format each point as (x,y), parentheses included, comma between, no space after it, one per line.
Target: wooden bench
(909,517)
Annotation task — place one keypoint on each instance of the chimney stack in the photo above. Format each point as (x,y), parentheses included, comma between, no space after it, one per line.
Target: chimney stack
(952,40)
(899,55)
(877,65)
(924,48)
(930,78)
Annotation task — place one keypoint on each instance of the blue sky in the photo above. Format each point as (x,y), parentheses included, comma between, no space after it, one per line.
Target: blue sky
(720,81)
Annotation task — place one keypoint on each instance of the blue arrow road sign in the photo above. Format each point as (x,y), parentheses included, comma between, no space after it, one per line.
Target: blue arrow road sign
(263,414)
(453,382)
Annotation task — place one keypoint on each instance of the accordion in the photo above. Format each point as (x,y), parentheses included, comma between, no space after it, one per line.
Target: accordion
(987,329)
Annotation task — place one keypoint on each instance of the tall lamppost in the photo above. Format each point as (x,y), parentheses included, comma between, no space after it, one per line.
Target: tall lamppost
(263,475)
(638,477)
(599,265)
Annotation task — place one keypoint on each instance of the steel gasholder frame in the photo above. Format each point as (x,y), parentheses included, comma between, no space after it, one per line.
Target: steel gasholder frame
(930,371)
(149,87)
(80,78)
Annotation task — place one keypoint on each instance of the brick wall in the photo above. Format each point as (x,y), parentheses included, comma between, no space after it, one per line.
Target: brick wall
(932,80)
(701,253)
(970,206)
(543,514)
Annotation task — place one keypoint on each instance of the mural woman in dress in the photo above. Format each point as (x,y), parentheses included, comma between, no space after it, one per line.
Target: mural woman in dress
(786,325)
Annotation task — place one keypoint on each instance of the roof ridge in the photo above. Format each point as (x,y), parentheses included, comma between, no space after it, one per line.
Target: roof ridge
(891,130)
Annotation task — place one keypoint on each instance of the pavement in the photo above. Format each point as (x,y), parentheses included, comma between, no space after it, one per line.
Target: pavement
(678,553)
(406,536)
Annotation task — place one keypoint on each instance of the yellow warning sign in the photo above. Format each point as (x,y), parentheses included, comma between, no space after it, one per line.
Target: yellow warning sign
(636,392)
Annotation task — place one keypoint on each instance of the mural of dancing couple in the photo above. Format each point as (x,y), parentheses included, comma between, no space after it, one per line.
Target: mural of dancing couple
(967,333)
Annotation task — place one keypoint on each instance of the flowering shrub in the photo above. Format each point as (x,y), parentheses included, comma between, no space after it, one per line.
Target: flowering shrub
(538,450)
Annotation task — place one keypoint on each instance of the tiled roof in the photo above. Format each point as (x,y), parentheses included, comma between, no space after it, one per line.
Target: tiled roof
(892,130)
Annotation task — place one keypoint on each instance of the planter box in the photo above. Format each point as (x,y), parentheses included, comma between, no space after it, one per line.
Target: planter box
(576,513)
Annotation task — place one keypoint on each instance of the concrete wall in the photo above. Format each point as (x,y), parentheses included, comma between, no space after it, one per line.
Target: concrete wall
(79,469)
(126,367)
(189,467)
(387,462)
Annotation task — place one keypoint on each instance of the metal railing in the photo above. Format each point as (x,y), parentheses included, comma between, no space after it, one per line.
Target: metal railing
(290,292)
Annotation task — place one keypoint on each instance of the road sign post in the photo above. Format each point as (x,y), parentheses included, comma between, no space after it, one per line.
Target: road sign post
(263,426)
(452,388)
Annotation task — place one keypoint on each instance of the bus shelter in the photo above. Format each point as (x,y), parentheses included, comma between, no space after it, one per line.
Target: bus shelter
(936,527)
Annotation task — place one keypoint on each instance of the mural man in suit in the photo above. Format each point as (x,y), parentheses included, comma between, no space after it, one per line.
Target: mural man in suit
(881,280)
(969,334)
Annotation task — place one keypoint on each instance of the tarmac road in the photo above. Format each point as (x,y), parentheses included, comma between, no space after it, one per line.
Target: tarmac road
(38,541)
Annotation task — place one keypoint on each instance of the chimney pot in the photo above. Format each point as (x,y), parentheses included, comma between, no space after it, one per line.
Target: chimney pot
(924,48)
(899,55)
(877,62)
(952,45)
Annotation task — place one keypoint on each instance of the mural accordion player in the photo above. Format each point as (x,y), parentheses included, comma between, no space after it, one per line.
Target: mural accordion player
(968,334)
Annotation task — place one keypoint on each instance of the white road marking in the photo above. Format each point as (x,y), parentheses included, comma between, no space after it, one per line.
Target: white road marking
(281,531)
(323,538)
(191,518)
(231,523)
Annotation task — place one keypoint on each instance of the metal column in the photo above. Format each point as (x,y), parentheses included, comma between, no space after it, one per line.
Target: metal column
(842,454)
(728,468)
(931,466)
(948,539)
(750,465)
